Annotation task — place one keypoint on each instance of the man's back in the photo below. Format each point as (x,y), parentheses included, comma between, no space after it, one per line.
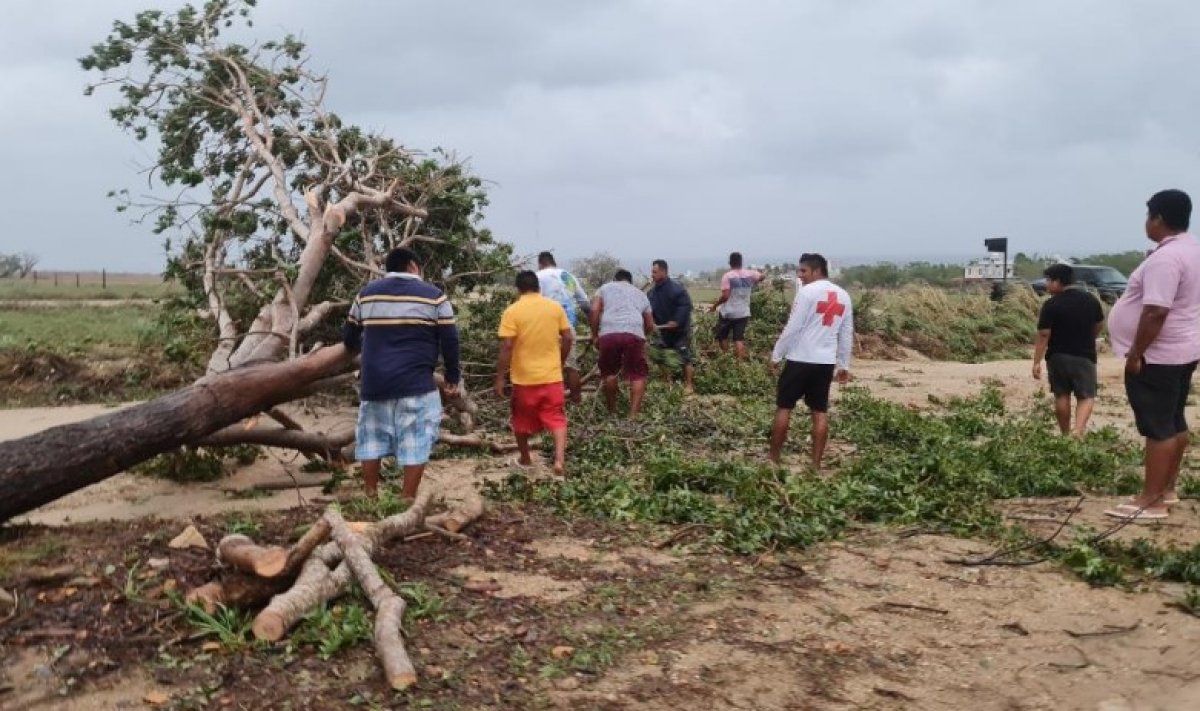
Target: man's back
(1071,318)
(740,283)
(624,306)
(400,323)
(562,287)
(820,328)
(535,323)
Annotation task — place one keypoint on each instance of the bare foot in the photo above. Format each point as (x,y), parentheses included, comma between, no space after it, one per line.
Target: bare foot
(559,468)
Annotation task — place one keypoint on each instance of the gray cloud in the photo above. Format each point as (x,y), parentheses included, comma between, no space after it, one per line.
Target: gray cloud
(688,127)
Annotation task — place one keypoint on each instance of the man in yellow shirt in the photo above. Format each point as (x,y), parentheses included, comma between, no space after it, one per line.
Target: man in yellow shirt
(535,338)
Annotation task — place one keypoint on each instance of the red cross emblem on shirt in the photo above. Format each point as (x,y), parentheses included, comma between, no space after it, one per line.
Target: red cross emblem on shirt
(830,308)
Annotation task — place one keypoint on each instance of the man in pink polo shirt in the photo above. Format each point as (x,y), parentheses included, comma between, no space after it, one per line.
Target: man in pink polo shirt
(1156,327)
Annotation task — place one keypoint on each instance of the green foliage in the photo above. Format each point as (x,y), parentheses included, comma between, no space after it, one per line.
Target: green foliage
(690,462)
(243,143)
(421,603)
(1110,562)
(889,275)
(196,464)
(229,625)
(332,629)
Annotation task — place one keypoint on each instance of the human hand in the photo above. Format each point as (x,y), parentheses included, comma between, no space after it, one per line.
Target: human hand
(843,376)
(451,389)
(1134,364)
(1037,370)
(772,367)
(498,385)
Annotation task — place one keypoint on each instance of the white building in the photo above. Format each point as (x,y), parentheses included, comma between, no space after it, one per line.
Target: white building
(989,267)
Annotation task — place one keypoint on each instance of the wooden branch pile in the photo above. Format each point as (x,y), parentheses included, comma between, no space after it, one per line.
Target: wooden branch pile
(318,568)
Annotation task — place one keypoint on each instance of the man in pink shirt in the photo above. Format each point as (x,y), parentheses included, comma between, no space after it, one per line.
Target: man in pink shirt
(1156,327)
(733,308)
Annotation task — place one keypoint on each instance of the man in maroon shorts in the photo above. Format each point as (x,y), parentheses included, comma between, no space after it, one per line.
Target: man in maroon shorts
(535,338)
(621,319)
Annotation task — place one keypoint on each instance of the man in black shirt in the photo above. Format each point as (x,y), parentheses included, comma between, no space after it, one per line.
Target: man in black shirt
(1069,323)
(671,306)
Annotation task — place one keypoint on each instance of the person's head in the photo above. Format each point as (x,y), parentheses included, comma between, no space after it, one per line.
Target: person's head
(812,267)
(1058,277)
(402,259)
(659,271)
(1168,212)
(623,275)
(527,282)
(735,260)
(545,259)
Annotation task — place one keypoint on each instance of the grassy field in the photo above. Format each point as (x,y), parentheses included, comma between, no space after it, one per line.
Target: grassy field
(76,329)
(91,286)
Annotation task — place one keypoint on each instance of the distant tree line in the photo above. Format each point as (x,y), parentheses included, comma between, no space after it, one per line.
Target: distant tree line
(17,265)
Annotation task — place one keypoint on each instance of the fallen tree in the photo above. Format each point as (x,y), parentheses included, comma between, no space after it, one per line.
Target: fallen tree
(42,467)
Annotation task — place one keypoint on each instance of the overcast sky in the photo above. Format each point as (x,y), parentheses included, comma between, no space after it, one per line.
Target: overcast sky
(686,128)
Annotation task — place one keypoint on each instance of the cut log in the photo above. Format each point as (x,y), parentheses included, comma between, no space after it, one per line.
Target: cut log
(389,607)
(312,444)
(466,512)
(241,553)
(456,440)
(299,553)
(324,576)
(42,467)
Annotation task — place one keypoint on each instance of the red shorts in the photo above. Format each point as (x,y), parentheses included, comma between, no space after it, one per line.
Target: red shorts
(623,352)
(538,407)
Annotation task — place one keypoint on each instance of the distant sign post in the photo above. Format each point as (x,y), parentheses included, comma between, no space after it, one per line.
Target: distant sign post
(999,244)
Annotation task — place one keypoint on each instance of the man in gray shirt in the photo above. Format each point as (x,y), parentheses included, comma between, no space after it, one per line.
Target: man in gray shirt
(621,319)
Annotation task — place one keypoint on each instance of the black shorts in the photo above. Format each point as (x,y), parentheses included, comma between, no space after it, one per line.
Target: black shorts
(1158,396)
(810,381)
(1071,375)
(735,327)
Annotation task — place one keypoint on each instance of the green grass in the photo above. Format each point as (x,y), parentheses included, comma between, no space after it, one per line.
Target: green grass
(90,288)
(75,329)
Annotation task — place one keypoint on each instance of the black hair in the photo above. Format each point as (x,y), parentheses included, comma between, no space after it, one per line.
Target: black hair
(399,258)
(735,260)
(662,264)
(1061,273)
(815,261)
(527,282)
(1173,206)
(623,275)
(546,259)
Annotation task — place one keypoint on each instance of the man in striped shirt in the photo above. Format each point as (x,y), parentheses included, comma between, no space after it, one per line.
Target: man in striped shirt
(401,324)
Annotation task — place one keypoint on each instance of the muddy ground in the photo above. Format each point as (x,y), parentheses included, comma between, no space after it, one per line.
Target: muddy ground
(596,615)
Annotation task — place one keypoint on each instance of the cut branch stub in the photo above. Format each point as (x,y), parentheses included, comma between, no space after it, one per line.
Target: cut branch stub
(241,553)
(389,607)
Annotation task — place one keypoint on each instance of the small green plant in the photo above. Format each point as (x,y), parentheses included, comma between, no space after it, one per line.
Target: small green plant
(373,508)
(1190,601)
(229,625)
(241,524)
(332,629)
(421,603)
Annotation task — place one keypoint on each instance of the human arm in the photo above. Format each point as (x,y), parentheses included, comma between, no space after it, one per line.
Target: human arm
(801,306)
(594,315)
(1161,277)
(581,298)
(845,344)
(447,332)
(1039,351)
(1043,338)
(352,330)
(503,362)
(566,335)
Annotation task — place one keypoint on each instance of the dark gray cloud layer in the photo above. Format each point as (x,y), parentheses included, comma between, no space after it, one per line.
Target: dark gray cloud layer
(688,128)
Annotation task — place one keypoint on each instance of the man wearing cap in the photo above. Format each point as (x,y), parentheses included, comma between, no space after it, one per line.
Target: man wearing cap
(1155,325)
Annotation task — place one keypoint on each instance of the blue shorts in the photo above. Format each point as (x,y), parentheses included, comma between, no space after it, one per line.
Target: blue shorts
(405,427)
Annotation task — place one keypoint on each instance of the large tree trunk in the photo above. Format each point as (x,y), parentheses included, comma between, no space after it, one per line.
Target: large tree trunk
(42,467)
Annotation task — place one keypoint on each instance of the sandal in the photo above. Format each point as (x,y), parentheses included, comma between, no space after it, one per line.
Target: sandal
(1165,502)
(1135,513)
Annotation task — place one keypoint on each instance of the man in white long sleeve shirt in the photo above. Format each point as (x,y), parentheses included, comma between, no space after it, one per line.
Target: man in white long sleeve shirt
(815,346)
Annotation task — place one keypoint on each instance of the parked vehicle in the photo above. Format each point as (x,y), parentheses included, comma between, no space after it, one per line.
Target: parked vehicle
(1108,283)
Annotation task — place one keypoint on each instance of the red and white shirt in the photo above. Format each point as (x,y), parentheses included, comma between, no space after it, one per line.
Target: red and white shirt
(821,327)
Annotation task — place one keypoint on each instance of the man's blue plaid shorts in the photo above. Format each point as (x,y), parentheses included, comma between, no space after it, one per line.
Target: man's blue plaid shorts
(405,427)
